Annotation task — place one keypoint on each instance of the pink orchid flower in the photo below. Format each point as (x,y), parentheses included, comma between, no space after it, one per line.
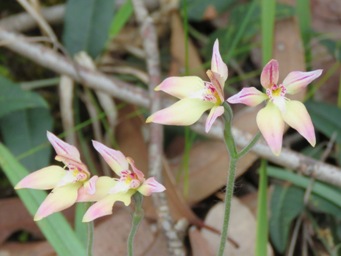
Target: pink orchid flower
(196,96)
(130,181)
(69,184)
(279,108)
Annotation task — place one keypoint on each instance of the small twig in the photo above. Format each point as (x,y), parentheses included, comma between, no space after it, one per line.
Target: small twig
(24,21)
(149,36)
(44,26)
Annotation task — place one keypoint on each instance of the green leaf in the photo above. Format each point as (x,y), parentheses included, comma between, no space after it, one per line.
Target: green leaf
(236,38)
(286,204)
(121,18)
(198,8)
(13,98)
(268,10)
(86,25)
(328,192)
(55,227)
(333,46)
(326,118)
(24,131)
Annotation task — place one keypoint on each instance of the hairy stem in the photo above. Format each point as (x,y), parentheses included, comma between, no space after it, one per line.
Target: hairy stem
(233,155)
(137,217)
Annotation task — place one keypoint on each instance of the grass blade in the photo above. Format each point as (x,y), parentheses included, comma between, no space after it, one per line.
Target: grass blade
(262,220)
(268,10)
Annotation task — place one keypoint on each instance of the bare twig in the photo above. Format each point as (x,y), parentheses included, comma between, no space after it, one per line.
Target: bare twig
(149,35)
(42,23)
(138,96)
(60,64)
(24,21)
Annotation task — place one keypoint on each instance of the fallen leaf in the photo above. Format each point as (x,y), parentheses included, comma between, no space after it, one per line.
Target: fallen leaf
(208,166)
(199,245)
(110,235)
(15,217)
(27,249)
(178,51)
(242,228)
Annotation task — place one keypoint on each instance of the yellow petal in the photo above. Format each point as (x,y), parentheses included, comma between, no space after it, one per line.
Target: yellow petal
(46,178)
(271,125)
(184,112)
(297,117)
(104,206)
(59,199)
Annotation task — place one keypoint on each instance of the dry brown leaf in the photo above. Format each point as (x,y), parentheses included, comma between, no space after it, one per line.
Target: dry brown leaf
(250,200)
(208,167)
(15,217)
(242,228)
(27,249)
(158,247)
(110,236)
(199,245)
(178,50)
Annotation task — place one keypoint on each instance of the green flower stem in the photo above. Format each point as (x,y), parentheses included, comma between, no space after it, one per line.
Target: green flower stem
(90,243)
(233,155)
(137,217)
(247,148)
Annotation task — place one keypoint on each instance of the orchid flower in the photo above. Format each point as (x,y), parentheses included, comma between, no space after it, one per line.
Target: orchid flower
(279,109)
(69,184)
(196,96)
(130,181)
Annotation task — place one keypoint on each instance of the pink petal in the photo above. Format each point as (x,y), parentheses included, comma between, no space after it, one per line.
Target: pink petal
(151,186)
(296,80)
(184,112)
(104,206)
(62,148)
(213,115)
(46,178)
(218,66)
(249,96)
(297,117)
(271,125)
(101,189)
(270,74)
(59,199)
(114,158)
(181,87)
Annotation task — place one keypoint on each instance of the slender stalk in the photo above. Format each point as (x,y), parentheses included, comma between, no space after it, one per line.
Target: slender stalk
(233,155)
(137,217)
(228,197)
(247,148)
(89,249)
